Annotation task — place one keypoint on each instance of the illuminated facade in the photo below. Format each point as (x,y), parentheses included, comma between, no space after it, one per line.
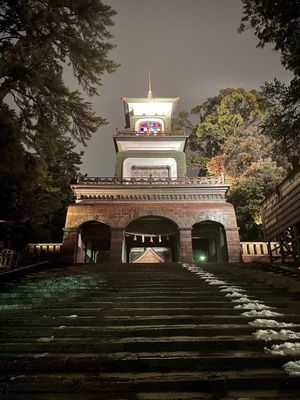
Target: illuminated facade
(150,211)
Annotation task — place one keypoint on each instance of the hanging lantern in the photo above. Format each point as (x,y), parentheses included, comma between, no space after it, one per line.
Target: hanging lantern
(159,238)
(151,239)
(135,238)
(143,238)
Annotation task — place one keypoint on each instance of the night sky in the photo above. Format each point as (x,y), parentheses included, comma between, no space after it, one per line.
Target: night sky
(193,50)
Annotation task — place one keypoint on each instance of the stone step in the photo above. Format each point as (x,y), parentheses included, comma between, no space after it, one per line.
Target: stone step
(127,321)
(136,344)
(130,331)
(162,381)
(41,362)
(143,332)
(166,395)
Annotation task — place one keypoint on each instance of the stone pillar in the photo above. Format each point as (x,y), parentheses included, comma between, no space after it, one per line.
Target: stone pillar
(117,235)
(233,245)
(69,246)
(186,249)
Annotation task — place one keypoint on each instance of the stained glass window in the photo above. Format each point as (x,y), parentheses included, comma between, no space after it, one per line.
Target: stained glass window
(151,128)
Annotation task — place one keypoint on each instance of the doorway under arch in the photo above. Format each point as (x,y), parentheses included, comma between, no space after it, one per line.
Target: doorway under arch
(94,242)
(151,239)
(209,242)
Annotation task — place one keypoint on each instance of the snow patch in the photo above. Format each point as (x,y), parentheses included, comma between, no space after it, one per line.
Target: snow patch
(271,323)
(252,306)
(286,348)
(214,282)
(243,299)
(292,368)
(261,313)
(230,289)
(40,355)
(269,334)
(12,378)
(234,294)
(61,327)
(45,339)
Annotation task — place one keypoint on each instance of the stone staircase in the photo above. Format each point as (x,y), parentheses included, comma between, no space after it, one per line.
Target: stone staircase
(148,332)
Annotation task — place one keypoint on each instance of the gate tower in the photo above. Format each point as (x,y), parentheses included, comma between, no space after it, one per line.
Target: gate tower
(150,211)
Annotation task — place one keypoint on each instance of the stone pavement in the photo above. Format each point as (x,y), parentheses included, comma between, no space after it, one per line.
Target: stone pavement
(149,332)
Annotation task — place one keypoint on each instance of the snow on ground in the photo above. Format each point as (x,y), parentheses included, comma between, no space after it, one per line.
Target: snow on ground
(292,368)
(258,309)
(270,334)
(271,323)
(286,348)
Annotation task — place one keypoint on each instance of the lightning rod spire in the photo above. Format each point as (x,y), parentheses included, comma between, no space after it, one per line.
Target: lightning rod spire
(149,86)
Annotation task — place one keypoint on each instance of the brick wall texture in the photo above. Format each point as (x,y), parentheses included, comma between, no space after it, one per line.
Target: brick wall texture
(118,214)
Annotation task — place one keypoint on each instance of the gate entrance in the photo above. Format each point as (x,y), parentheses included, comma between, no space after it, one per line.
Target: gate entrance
(94,241)
(209,242)
(151,239)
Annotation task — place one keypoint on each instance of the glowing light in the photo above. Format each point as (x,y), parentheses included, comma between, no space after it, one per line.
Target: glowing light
(202,258)
(151,108)
(150,128)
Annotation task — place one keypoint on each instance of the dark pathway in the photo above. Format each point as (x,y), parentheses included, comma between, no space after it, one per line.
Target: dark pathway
(150,332)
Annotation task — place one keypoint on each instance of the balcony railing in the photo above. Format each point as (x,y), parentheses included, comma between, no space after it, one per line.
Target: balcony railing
(206,180)
(129,132)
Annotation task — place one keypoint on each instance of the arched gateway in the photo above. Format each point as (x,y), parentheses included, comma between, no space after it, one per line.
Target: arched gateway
(209,242)
(151,232)
(94,241)
(151,209)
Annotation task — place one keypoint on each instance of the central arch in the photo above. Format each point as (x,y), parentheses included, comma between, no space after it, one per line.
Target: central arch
(151,239)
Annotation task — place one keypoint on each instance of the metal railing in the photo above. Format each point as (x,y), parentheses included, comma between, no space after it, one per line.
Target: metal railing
(9,258)
(206,180)
(130,132)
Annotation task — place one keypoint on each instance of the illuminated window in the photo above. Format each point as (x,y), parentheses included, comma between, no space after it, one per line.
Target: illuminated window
(151,128)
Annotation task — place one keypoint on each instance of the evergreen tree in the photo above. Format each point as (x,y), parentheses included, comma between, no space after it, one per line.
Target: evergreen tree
(40,116)
(278,23)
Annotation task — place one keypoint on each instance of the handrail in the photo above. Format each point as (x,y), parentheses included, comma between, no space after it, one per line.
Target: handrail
(205,180)
(129,132)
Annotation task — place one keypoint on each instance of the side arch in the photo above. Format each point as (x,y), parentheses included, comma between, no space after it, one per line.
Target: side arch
(209,242)
(93,242)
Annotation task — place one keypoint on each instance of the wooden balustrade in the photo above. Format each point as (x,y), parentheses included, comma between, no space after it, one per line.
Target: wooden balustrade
(43,250)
